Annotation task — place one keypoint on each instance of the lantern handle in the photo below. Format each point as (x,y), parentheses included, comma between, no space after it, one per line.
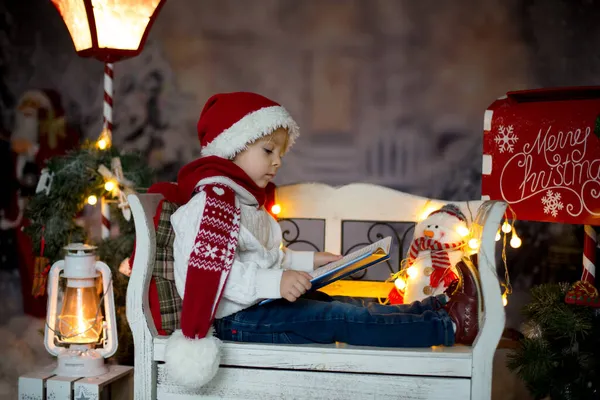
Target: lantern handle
(50,328)
(111,341)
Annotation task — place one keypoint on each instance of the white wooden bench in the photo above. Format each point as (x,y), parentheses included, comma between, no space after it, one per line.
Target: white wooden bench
(336,371)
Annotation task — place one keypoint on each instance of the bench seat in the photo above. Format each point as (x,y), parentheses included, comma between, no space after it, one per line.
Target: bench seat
(455,361)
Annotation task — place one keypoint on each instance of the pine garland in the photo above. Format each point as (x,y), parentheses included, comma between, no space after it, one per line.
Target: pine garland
(75,178)
(560,354)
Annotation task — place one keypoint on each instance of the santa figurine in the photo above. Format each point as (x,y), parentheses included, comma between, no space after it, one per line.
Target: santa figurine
(40,132)
(436,249)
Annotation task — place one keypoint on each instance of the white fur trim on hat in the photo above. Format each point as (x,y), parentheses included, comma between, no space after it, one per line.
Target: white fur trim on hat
(192,362)
(250,128)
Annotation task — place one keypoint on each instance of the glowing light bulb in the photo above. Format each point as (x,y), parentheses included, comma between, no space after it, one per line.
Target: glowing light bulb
(109,186)
(498,236)
(505,299)
(462,231)
(412,272)
(515,241)
(426,212)
(506,228)
(276,209)
(92,200)
(400,283)
(473,243)
(104,140)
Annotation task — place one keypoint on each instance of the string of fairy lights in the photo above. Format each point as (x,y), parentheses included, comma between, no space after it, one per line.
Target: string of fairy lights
(471,245)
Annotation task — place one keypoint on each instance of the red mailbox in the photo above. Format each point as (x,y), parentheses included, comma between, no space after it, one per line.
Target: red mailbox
(541,154)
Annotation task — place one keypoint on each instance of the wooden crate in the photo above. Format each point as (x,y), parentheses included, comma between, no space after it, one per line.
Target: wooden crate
(43,384)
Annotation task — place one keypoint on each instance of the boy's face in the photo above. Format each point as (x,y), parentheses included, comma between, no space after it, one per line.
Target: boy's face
(262,159)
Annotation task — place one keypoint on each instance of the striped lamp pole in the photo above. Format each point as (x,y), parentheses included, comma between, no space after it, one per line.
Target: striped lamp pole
(108,99)
(105,211)
(107,136)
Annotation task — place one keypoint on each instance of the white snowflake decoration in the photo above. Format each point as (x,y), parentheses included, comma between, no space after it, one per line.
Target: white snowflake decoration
(197,248)
(552,203)
(211,251)
(506,138)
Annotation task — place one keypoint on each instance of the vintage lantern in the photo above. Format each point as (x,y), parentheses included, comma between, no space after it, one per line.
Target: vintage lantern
(84,333)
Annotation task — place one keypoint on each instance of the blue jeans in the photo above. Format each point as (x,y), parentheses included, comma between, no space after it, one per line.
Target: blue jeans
(318,318)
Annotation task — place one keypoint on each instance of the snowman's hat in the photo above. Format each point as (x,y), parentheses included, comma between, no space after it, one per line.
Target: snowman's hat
(453,210)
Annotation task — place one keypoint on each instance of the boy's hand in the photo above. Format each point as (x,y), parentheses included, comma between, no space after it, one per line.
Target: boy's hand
(323,258)
(294,284)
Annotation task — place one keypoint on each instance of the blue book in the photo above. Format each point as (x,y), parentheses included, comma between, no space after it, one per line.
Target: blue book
(351,263)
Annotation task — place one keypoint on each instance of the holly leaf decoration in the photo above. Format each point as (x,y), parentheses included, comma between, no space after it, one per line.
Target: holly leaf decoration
(597,127)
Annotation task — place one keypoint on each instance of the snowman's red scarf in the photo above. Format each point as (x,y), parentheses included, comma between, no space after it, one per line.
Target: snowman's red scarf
(440,261)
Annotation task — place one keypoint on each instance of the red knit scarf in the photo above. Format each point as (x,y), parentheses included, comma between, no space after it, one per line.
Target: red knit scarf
(216,240)
(440,261)
(211,166)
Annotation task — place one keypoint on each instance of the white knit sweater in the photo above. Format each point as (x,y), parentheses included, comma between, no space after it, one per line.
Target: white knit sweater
(259,257)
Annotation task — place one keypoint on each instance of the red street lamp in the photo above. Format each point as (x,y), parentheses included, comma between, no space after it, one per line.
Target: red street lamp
(108,30)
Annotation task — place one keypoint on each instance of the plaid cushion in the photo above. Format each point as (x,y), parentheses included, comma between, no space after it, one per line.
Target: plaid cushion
(163,272)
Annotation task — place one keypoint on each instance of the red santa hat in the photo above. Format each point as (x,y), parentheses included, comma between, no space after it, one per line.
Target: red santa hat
(231,121)
(228,123)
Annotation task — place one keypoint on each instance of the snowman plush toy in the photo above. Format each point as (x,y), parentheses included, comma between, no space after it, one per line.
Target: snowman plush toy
(437,247)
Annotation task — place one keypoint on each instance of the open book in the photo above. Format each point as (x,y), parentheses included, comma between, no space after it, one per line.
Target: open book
(351,263)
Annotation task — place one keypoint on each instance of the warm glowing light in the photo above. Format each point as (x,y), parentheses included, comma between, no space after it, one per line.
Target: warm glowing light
(75,17)
(92,200)
(104,140)
(121,24)
(412,272)
(109,186)
(506,228)
(498,237)
(428,210)
(505,299)
(276,209)
(462,231)
(79,320)
(474,243)
(400,283)
(515,241)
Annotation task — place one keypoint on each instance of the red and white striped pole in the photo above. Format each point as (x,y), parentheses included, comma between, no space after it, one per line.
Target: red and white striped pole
(105,211)
(108,98)
(107,136)
(589,255)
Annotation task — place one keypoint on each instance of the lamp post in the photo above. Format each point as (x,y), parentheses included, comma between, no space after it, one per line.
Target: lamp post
(108,30)
(79,336)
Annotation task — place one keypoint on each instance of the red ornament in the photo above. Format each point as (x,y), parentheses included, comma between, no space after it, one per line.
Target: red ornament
(540,154)
(583,293)
(395,297)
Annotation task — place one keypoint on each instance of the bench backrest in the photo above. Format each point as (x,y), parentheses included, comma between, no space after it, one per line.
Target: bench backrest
(357,202)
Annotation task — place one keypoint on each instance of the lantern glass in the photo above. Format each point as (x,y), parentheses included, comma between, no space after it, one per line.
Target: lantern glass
(121,24)
(75,17)
(80,320)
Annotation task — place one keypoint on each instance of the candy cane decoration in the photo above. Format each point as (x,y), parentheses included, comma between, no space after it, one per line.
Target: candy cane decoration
(108,99)
(589,255)
(105,211)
